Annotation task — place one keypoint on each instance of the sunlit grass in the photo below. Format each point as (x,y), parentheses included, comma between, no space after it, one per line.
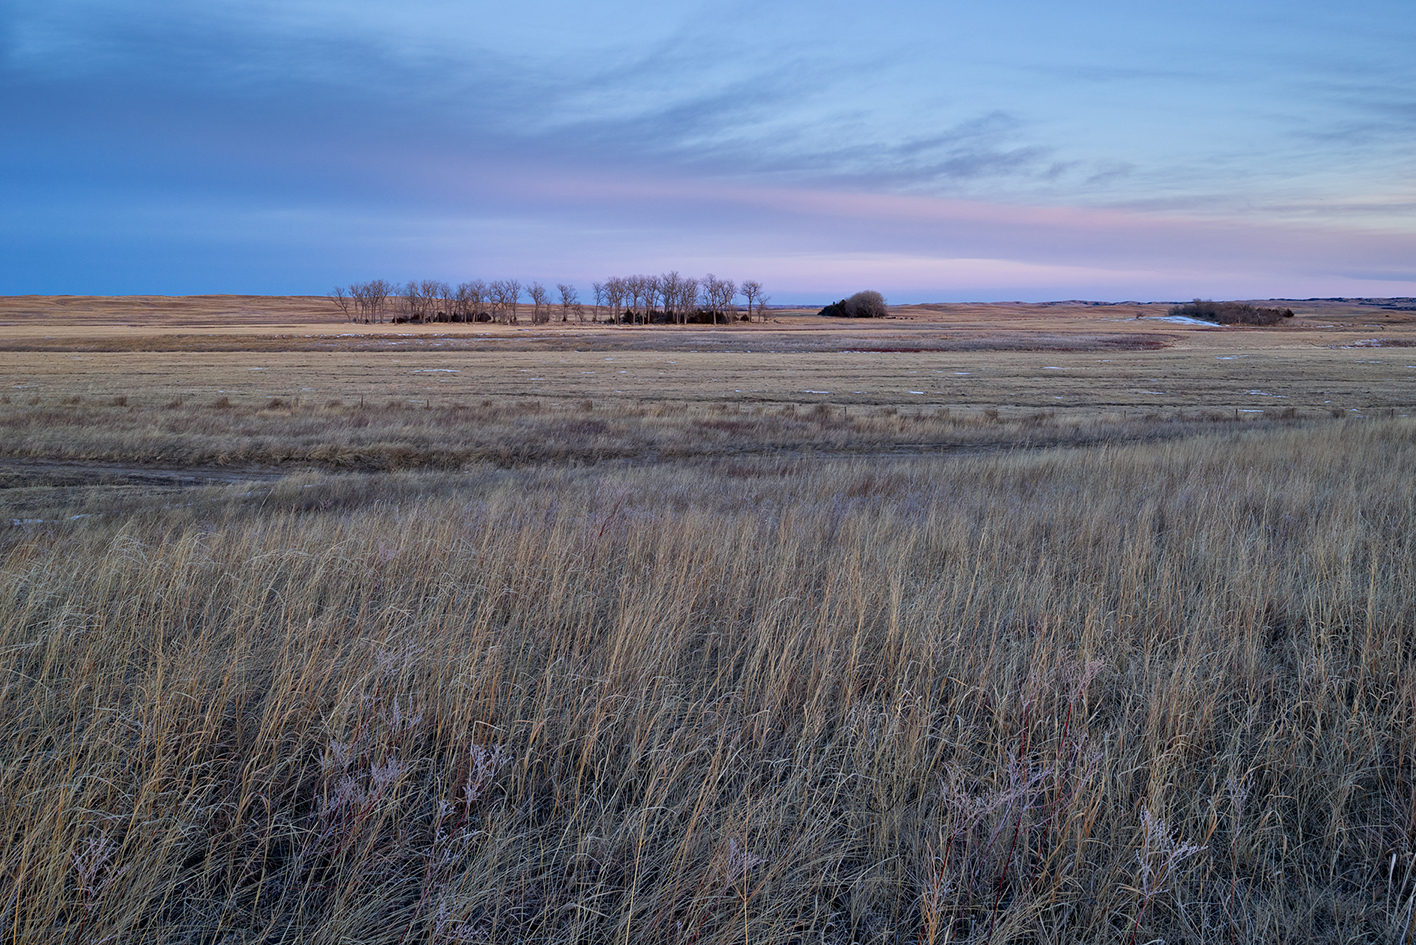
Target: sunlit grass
(397,435)
(1130,692)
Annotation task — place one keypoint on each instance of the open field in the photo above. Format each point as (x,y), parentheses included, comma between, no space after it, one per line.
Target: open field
(1076,628)
(282,385)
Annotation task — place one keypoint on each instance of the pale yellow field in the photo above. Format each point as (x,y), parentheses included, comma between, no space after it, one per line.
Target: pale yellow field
(1006,624)
(1074,359)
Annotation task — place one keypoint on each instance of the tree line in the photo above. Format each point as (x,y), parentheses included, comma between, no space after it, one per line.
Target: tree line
(1231,313)
(623,300)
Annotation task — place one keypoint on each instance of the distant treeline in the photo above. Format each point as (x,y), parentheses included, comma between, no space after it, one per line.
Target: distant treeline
(629,300)
(1231,313)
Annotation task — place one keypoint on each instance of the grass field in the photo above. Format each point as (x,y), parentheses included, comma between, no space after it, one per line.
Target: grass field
(439,638)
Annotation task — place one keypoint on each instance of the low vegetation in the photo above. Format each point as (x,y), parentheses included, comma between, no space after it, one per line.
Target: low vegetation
(866,304)
(759,635)
(1231,313)
(401,435)
(1108,695)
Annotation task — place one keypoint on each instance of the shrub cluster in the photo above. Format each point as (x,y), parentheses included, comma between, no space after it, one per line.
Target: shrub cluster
(1231,313)
(866,304)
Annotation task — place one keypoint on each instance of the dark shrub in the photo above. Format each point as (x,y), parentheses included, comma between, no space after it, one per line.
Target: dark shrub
(1231,313)
(866,304)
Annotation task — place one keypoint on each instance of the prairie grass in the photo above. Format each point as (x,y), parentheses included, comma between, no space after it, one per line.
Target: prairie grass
(1117,694)
(399,435)
(1229,370)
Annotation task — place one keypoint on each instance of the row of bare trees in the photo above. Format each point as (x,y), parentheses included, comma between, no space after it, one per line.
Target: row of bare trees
(678,299)
(638,300)
(363,301)
(430,300)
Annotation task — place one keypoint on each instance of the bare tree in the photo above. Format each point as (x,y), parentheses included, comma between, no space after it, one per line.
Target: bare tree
(762,301)
(431,292)
(633,289)
(540,312)
(626,299)
(751,289)
(494,299)
(343,301)
(412,295)
(461,303)
(651,288)
(688,299)
(670,290)
(568,299)
(496,295)
(457,303)
(360,291)
(713,296)
(599,288)
(370,298)
(513,289)
(362,308)
(383,291)
(356,292)
(443,293)
(477,297)
(615,291)
(511,300)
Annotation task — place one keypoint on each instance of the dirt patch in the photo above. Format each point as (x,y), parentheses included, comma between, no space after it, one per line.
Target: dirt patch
(16,474)
(779,342)
(1019,341)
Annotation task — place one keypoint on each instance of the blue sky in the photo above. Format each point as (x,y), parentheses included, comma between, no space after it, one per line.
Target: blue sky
(934,151)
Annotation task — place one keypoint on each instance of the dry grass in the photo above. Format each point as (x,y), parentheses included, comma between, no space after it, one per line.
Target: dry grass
(1115,694)
(398,435)
(998,641)
(443,409)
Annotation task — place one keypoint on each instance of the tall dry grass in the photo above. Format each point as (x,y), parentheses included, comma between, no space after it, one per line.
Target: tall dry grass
(1116,695)
(403,435)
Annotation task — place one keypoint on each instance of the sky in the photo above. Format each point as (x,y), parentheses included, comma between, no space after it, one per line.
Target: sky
(933,151)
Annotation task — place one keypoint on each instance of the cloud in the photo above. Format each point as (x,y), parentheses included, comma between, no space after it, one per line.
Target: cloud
(1111,173)
(548,138)
(1407,276)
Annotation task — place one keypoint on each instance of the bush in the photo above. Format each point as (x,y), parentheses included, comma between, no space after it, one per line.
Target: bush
(1231,313)
(866,304)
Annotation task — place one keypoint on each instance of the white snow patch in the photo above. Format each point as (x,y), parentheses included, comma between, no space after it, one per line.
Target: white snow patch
(1183,320)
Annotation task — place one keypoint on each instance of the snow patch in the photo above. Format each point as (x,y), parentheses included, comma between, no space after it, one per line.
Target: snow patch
(1183,320)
